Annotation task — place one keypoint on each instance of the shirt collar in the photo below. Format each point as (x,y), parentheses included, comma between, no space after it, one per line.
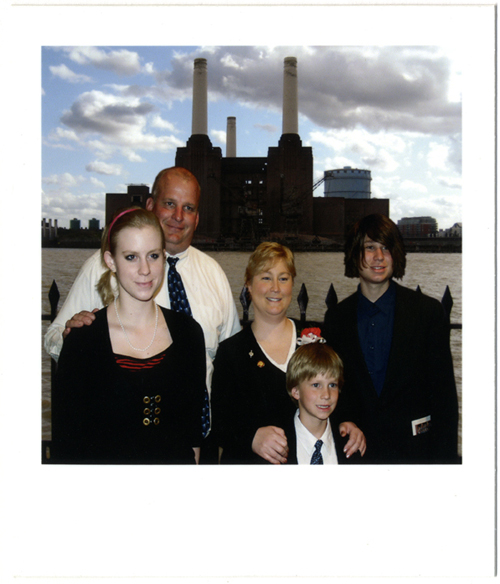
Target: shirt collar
(309,440)
(385,303)
(182,255)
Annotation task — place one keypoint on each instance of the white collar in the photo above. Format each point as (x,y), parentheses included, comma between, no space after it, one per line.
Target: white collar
(306,442)
(181,255)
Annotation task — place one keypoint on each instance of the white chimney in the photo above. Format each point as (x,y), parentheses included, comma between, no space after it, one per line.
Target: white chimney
(231,137)
(200,97)
(290,97)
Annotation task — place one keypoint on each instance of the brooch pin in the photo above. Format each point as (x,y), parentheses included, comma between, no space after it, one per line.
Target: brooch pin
(251,353)
(260,364)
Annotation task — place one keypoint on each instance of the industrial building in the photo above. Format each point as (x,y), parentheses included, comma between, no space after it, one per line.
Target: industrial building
(135,195)
(251,198)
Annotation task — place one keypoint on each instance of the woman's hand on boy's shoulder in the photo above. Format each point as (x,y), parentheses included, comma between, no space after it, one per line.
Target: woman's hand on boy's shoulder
(357,440)
(271,444)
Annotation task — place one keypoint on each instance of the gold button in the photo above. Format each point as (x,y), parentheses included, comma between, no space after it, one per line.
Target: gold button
(146,421)
(147,411)
(157,411)
(157,399)
(156,421)
(146,399)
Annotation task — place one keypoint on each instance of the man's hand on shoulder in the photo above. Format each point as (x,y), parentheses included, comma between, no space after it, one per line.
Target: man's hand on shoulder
(83,318)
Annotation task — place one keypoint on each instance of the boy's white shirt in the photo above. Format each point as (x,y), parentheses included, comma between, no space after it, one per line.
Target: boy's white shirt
(306,442)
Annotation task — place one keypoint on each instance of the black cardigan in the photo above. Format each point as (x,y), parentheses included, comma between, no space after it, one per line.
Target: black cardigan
(102,413)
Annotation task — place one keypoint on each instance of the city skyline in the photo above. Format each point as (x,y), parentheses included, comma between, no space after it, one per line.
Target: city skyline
(113,116)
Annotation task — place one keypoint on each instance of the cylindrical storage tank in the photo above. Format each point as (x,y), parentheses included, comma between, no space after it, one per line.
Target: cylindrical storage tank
(347,182)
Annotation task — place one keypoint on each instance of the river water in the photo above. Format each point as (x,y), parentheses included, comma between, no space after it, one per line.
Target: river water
(432,272)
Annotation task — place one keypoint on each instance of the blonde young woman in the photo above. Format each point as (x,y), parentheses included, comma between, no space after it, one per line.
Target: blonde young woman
(250,403)
(129,388)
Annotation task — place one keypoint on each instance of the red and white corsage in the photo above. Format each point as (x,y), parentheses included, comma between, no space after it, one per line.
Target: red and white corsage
(310,335)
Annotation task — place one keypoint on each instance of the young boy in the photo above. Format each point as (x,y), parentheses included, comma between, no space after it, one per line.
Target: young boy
(314,378)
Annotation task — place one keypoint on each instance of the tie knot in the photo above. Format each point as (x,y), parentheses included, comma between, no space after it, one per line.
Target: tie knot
(318,445)
(172,261)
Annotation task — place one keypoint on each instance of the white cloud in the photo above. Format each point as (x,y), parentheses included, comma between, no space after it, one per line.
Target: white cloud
(266,127)
(219,135)
(65,73)
(64,180)
(121,62)
(102,149)
(158,122)
(228,61)
(451,183)
(104,168)
(438,155)
(362,149)
(409,185)
(120,123)
(97,183)
(63,134)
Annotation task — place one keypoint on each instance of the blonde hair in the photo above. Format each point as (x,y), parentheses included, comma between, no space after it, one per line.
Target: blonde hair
(311,360)
(130,217)
(265,256)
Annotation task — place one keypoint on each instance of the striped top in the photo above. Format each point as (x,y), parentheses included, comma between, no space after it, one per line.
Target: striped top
(134,364)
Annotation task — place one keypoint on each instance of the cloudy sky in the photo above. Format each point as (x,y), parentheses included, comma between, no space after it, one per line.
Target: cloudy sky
(113,116)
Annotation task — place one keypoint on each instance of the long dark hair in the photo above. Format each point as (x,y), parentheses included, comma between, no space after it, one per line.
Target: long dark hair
(380,229)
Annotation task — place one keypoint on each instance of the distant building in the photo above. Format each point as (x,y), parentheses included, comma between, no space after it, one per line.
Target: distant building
(49,231)
(135,195)
(418,226)
(74,224)
(455,230)
(94,224)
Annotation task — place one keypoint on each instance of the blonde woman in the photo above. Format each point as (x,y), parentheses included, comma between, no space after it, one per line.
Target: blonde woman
(250,403)
(129,388)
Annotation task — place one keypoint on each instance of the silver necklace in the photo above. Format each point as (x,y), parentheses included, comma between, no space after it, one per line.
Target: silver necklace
(126,336)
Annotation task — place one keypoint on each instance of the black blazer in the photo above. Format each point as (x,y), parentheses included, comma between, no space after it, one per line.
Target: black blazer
(419,382)
(248,392)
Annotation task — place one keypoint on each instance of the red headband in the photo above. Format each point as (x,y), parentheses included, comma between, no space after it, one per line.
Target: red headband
(114,221)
